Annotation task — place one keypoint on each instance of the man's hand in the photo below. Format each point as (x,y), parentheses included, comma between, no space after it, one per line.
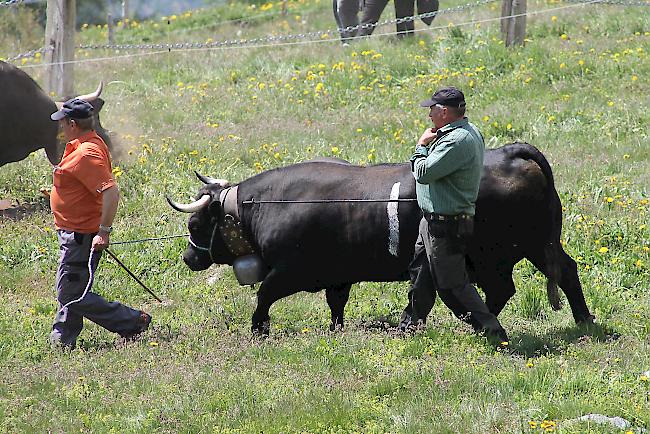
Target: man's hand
(101,241)
(428,136)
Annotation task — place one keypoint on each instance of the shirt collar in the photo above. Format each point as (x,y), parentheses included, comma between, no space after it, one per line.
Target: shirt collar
(74,143)
(453,125)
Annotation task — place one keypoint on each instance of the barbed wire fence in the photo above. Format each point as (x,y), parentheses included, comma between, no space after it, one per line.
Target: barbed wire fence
(246,42)
(320,36)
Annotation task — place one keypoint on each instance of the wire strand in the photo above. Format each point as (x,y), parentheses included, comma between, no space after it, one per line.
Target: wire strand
(315,41)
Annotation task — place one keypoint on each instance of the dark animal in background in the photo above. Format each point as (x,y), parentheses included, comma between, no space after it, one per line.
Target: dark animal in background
(25,124)
(346,15)
(313,246)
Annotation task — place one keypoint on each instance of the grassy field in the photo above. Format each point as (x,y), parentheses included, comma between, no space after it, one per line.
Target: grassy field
(578,90)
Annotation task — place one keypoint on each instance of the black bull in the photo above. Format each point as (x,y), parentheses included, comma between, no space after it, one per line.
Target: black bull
(25,124)
(314,246)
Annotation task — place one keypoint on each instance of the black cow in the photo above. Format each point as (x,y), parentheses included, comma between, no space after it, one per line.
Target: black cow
(331,245)
(25,123)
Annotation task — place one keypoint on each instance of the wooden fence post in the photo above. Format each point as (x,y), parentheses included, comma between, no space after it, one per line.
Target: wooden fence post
(125,12)
(513,29)
(59,46)
(520,22)
(111,28)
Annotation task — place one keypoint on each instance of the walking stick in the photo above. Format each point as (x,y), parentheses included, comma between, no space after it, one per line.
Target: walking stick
(132,275)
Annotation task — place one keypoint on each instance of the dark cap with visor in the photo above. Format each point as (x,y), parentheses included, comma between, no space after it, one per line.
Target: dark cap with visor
(74,108)
(447,96)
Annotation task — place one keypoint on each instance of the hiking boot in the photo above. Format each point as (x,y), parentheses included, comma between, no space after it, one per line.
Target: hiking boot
(141,324)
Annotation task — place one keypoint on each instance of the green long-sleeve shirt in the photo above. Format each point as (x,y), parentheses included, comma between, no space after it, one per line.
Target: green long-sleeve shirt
(448,172)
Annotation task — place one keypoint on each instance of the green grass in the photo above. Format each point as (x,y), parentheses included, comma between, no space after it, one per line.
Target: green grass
(581,98)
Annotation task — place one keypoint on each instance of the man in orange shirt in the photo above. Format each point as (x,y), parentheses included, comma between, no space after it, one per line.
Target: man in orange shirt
(84,202)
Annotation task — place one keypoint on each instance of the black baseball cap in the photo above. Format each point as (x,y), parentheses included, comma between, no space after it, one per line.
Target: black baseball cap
(74,108)
(448,96)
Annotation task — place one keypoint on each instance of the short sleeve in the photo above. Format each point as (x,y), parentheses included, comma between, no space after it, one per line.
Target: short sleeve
(93,169)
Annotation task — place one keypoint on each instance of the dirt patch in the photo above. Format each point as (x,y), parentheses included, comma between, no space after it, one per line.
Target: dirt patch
(23,210)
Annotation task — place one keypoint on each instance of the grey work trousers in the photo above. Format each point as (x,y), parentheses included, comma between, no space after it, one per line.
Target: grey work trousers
(372,10)
(346,15)
(439,265)
(71,280)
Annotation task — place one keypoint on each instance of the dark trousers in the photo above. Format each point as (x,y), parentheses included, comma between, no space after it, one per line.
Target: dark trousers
(346,15)
(439,265)
(372,10)
(71,280)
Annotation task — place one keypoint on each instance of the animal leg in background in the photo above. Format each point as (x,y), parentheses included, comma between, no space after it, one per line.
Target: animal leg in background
(337,297)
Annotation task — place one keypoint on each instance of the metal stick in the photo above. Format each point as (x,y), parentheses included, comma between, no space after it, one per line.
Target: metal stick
(132,275)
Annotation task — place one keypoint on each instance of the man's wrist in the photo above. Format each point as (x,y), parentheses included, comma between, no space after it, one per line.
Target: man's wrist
(105,229)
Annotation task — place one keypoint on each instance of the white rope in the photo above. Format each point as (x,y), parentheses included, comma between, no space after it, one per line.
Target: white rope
(91,277)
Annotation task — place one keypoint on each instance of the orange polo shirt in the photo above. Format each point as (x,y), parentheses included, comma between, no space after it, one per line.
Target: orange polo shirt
(79,179)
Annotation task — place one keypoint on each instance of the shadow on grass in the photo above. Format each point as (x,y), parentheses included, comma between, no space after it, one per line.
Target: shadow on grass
(530,345)
(159,333)
(381,323)
(527,345)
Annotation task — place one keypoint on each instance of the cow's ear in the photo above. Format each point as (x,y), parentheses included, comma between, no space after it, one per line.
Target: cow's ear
(97,104)
(214,208)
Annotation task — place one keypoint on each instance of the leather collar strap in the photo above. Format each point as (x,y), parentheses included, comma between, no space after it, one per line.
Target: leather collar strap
(228,199)
(230,227)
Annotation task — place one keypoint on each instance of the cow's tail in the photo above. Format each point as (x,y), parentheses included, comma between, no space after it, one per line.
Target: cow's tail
(551,249)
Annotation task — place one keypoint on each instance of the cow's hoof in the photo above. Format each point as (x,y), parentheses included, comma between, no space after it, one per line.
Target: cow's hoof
(336,326)
(587,321)
(262,328)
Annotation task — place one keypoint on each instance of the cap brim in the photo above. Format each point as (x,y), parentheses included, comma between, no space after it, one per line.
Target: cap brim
(428,103)
(58,115)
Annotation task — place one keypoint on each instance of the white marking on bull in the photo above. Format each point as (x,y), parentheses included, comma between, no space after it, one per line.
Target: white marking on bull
(393,221)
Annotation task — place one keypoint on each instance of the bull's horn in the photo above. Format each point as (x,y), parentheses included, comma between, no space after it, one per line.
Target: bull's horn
(208,180)
(190,207)
(93,96)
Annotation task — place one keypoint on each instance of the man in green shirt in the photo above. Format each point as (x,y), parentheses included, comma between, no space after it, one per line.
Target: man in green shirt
(447,166)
